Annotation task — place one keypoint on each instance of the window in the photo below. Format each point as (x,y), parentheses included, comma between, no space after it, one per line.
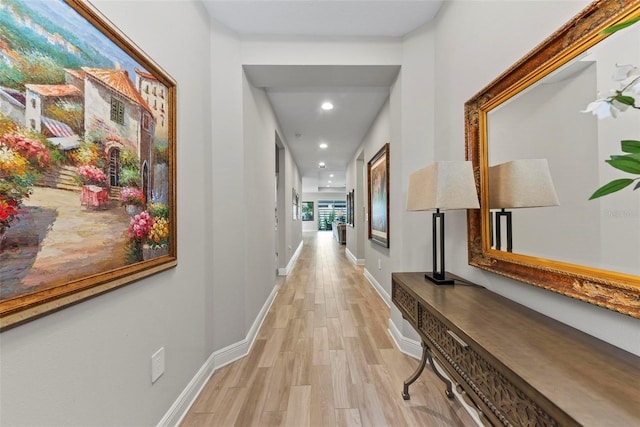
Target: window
(117,110)
(145,121)
(32,123)
(328,210)
(33,103)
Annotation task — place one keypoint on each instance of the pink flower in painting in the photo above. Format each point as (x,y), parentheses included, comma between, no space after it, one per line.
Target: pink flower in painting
(90,174)
(140,226)
(33,150)
(131,196)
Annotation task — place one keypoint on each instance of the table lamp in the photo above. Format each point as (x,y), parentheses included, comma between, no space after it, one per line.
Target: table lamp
(442,185)
(524,183)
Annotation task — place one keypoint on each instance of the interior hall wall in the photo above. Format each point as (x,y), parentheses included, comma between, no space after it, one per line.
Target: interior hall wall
(259,238)
(355,176)
(378,258)
(412,148)
(89,364)
(476,41)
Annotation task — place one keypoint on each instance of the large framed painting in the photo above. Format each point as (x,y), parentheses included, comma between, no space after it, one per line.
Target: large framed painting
(307,211)
(87,159)
(378,195)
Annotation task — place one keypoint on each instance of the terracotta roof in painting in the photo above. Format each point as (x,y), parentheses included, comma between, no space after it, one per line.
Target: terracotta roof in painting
(14,95)
(54,90)
(118,80)
(145,74)
(79,74)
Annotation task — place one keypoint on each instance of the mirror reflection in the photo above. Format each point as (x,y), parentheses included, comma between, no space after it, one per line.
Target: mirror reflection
(546,125)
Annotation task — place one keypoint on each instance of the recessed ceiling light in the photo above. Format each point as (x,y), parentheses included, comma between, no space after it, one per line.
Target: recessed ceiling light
(323,145)
(331,176)
(326,106)
(321,164)
(329,181)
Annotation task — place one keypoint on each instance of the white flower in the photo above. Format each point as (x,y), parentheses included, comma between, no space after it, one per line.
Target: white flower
(633,85)
(603,108)
(623,72)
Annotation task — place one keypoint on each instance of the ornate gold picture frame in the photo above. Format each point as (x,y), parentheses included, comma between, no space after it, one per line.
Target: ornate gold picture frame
(87,159)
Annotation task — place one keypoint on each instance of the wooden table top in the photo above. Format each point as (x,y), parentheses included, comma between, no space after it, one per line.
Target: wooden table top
(592,381)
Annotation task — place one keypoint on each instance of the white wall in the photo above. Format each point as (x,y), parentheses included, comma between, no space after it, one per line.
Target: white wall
(476,41)
(243,172)
(355,179)
(377,257)
(89,364)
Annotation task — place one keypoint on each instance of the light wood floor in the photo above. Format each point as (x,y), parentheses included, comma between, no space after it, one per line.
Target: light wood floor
(324,357)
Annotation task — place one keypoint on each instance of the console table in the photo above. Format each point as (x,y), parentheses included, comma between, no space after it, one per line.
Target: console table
(517,366)
(340,231)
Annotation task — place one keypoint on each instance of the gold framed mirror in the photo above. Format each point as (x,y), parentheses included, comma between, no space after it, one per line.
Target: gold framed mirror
(540,261)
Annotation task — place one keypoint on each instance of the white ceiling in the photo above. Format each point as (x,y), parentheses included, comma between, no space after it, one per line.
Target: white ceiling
(296,92)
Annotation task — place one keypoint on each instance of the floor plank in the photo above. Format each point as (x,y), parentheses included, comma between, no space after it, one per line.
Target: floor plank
(324,357)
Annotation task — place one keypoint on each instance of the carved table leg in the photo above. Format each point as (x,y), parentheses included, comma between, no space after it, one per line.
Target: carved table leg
(416,374)
(448,391)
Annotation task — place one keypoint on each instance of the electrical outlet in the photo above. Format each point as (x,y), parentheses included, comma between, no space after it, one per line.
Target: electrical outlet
(157,365)
(379,264)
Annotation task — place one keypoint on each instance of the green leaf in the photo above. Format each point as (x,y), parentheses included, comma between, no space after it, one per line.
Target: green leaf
(637,187)
(632,157)
(624,99)
(620,26)
(612,187)
(626,164)
(630,146)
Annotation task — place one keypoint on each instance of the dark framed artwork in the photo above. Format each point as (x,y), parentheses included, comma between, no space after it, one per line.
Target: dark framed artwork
(307,211)
(352,208)
(378,196)
(88,174)
(349,208)
(295,204)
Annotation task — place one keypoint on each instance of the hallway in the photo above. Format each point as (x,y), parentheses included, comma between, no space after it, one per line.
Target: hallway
(324,357)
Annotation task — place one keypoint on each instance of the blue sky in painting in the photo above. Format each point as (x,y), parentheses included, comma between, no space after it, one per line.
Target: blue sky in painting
(63,15)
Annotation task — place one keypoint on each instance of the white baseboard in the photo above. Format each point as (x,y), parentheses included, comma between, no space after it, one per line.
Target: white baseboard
(378,287)
(406,345)
(353,258)
(285,271)
(217,360)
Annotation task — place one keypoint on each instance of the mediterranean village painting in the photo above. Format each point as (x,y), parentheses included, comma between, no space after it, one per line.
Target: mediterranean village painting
(85,151)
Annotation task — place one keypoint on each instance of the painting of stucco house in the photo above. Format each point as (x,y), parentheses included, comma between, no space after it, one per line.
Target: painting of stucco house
(109,93)
(87,146)
(38,99)
(12,104)
(114,110)
(155,94)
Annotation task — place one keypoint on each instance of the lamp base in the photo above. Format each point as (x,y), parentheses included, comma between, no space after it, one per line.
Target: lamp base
(438,281)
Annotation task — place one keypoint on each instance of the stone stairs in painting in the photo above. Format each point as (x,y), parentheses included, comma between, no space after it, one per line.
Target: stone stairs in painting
(62,177)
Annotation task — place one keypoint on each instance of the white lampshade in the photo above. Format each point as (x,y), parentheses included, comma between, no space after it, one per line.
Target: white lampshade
(443,185)
(524,183)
